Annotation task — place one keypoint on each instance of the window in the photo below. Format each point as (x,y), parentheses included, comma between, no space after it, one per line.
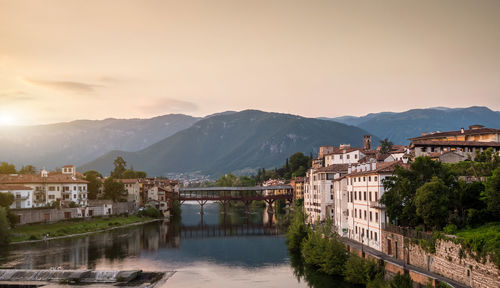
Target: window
(355,195)
(369,178)
(376,238)
(376,216)
(52,197)
(341,156)
(365,214)
(364,196)
(331,196)
(57,188)
(52,188)
(364,178)
(370,196)
(351,197)
(376,196)
(74,196)
(348,156)
(74,188)
(375,178)
(356,213)
(371,234)
(356,229)
(371,216)
(355,156)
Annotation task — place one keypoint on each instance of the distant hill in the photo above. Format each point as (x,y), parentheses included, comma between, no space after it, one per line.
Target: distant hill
(77,142)
(231,142)
(398,127)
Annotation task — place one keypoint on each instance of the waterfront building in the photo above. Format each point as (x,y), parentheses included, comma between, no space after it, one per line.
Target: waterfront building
(318,193)
(64,187)
(463,142)
(298,187)
(23,195)
(359,214)
(133,190)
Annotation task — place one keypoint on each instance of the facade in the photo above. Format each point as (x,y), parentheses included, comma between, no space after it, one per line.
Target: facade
(133,190)
(318,193)
(361,215)
(23,195)
(463,142)
(51,187)
(298,187)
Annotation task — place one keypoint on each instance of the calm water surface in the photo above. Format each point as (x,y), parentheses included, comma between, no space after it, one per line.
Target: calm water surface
(216,250)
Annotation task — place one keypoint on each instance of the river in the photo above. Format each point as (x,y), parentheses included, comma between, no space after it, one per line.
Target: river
(210,250)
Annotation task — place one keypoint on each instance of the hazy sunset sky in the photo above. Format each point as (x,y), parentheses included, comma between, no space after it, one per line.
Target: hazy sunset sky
(65,60)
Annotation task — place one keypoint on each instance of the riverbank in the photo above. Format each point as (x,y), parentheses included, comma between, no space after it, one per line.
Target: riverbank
(73,228)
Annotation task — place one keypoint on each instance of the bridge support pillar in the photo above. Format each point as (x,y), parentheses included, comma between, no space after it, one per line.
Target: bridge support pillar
(270,203)
(247,206)
(202,203)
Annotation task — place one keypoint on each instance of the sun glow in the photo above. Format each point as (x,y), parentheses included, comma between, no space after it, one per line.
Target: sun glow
(7,120)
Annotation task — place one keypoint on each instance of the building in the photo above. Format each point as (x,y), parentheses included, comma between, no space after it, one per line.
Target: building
(63,187)
(298,187)
(23,195)
(133,190)
(358,213)
(463,142)
(318,193)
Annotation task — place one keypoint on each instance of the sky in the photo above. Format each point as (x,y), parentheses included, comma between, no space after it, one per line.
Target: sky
(62,60)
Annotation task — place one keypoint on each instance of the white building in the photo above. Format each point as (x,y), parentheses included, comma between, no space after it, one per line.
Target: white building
(318,193)
(23,195)
(51,187)
(358,213)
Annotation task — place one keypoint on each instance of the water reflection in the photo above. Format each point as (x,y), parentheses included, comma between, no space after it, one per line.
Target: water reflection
(207,250)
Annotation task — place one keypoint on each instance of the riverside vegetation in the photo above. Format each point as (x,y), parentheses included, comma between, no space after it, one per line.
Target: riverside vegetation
(320,257)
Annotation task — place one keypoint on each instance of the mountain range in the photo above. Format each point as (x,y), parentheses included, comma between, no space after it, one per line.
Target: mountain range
(234,142)
(398,127)
(219,143)
(80,141)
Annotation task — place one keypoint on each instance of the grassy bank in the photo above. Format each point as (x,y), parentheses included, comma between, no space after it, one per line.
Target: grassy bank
(482,241)
(71,227)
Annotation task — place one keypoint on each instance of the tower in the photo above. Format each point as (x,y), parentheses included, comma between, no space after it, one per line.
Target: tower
(367,142)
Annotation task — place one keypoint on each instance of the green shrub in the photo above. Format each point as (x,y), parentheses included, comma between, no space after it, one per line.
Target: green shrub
(450,229)
(150,212)
(401,281)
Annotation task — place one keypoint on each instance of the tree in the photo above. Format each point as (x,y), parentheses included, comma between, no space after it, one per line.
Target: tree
(399,198)
(95,183)
(28,169)
(6,168)
(298,230)
(361,271)
(433,202)
(140,174)
(114,190)
(385,146)
(4,227)
(401,281)
(492,194)
(6,199)
(120,167)
(325,250)
(128,174)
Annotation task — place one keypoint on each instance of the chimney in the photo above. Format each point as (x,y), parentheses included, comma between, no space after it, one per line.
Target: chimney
(462,130)
(367,142)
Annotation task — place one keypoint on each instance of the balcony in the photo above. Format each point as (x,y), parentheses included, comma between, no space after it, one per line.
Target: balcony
(376,205)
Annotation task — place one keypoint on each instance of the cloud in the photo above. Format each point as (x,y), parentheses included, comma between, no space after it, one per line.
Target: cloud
(64,85)
(15,96)
(169,105)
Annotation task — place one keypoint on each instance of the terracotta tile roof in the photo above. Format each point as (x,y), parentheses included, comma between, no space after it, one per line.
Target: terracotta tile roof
(9,187)
(341,150)
(128,181)
(37,179)
(455,143)
(457,133)
(337,168)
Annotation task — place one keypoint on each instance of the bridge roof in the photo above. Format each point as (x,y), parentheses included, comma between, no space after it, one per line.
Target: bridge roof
(254,188)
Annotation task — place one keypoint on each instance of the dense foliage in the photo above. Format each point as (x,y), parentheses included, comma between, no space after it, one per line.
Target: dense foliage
(151,212)
(114,190)
(94,184)
(4,227)
(121,172)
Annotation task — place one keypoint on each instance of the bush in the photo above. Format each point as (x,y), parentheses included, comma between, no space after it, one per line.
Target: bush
(150,212)
(362,271)
(401,281)
(4,227)
(298,230)
(450,229)
(325,251)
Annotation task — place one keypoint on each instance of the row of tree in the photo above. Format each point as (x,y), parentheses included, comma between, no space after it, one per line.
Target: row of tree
(434,195)
(7,168)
